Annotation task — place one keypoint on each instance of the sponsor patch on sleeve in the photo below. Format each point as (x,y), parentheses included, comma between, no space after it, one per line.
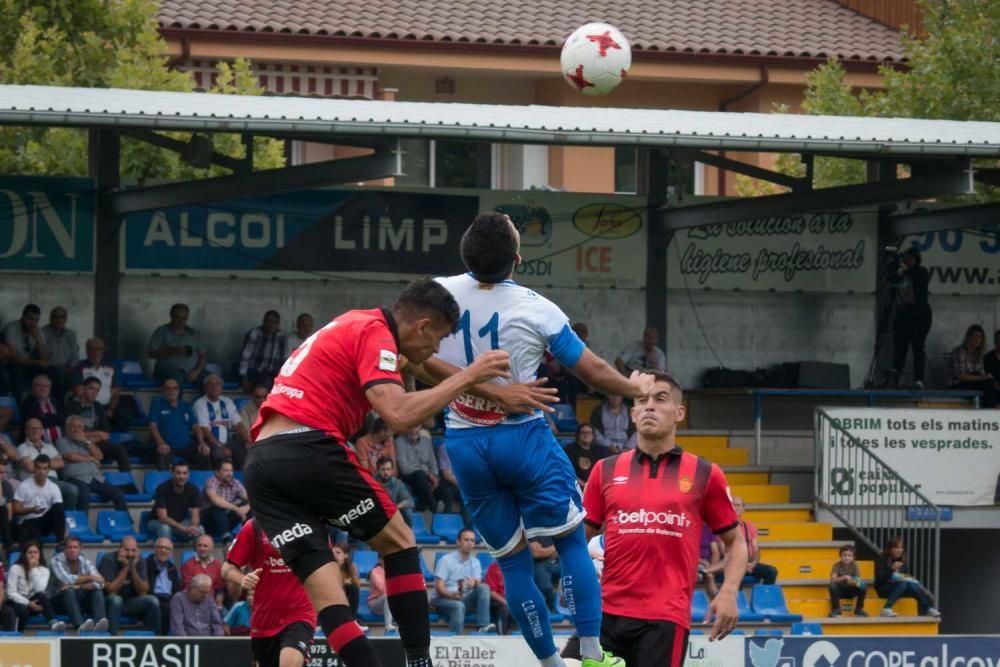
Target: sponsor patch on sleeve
(387,360)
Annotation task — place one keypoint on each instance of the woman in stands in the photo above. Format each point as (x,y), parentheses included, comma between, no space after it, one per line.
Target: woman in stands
(967,370)
(349,572)
(892,582)
(26,585)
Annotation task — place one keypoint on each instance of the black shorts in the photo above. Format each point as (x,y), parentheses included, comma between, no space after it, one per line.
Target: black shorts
(643,643)
(267,650)
(299,483)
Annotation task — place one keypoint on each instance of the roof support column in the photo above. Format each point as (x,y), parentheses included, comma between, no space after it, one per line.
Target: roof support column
(658,239)
(103,167)
(882,171)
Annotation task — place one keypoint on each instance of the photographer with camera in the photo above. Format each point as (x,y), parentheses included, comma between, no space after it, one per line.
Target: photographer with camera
(911,320)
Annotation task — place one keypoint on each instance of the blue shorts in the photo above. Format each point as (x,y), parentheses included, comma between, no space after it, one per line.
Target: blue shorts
(515,478)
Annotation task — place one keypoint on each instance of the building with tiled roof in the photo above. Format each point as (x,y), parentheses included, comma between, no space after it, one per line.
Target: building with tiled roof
(735,55)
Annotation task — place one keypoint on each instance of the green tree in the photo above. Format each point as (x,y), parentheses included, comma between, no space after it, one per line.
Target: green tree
(953,73)
(103,43)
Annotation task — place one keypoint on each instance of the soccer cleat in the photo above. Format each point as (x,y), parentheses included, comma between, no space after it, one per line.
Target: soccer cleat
(608,661)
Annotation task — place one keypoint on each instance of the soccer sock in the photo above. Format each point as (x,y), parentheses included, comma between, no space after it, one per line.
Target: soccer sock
(581,589)
(407,598)
(526,603)
(345,637)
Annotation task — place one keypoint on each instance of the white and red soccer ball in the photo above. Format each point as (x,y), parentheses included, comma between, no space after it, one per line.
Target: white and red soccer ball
(595,59)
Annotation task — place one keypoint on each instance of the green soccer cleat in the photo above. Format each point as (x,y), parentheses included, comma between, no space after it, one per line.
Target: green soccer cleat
(608,661)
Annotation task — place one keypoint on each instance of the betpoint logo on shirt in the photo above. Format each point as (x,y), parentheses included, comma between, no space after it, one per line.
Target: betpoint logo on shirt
(647,519)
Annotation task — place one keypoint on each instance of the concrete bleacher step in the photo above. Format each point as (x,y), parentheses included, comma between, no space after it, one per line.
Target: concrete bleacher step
(743,478)
(698,441)
(874,625)
(761,513)
(796,560)
(776,531)
(762,493)
(721,456)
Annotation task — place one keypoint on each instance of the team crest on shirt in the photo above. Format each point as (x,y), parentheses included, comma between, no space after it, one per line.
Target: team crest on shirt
(387,360)
(684,484)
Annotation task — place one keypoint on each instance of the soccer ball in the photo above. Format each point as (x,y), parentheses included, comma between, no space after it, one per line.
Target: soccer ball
(595,59)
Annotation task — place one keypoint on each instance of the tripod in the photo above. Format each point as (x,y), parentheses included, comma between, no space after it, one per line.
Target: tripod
(885,379)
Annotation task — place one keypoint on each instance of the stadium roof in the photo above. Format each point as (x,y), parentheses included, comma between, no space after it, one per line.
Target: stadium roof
(330,118)
(788,28)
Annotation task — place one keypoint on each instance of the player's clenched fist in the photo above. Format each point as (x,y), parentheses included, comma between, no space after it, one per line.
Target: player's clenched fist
(493,364)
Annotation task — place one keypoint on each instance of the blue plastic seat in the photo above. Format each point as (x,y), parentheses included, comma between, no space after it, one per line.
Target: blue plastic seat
(131,375)
(365,613)
(10,633)
(365,560)
(427,572)
(564,417)
(125,479)
(746,613)
(769,601)
(807,629)
(485,560)
(215,368)
(115,525)
(696,631)
(767,632)
(139,633)
(12,558)
(11,402)
(420,532)
(240,402)
(78,526)
(153,479)
(144,518)
(699,606)
(447,526)
(200,477)
(186,556)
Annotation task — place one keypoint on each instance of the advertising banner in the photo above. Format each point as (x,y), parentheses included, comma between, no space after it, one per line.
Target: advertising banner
(27,652)
(961,261)
(951,456)
(160,651)
(47,224)
(571,240)
(901,651)
(814,252)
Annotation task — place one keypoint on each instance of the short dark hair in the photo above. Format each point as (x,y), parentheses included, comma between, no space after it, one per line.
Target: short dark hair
(489,247)
(42,458)
(425,295)
(302,316)
(93,379)
(914,252)
(221,462)
(848,547)
(31,309)
(466,530)
(179,464)
(382,460)
(73,538)
(379,425)
(663,376)
(178,306)
(271,313)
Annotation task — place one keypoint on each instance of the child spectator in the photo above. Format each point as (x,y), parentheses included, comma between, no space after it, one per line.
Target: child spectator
(892,582)
(845,582)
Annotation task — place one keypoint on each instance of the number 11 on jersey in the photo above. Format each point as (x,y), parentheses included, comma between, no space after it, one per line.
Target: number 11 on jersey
(492,327)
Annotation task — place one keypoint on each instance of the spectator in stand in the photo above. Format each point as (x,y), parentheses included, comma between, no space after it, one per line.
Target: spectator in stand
(398,493)
(82,468)
(846,582)
(248,413)
(376,444)
(6,516)
(6,380)
(642,354)
(205,562)
(418,466)
(892,582)
(38,505)
(43,406)
(458,587)
(612,424)
(8,617)
(967,367)
(583,453)
(9,458)
(127,587)
(303,329)
(173,502)
(991,361)
(173,430)
(447,493)
(220,424)
(95,423)
(193,612)
(177,349)
(64,351)
(30,356)
(228,503)
(376,594)
(264,351)
(547,570)
(94,366)
(31,448)
(80,586)
(709,560)
(165,580)
(500,614)
(27,584)
(766,574)
(237,622)
(349,574)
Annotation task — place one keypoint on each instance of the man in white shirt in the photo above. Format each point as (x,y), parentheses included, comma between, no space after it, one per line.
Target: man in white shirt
(643,354)
(38,504)
(30,449)
(220,423)
(459,587)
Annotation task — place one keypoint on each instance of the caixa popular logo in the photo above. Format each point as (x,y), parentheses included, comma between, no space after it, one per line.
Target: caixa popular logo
(49,224)
(874,652)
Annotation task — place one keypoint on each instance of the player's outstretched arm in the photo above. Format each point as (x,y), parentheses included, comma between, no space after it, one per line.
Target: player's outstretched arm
(514,398)
(599,374)
(402,410)
(723,605)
